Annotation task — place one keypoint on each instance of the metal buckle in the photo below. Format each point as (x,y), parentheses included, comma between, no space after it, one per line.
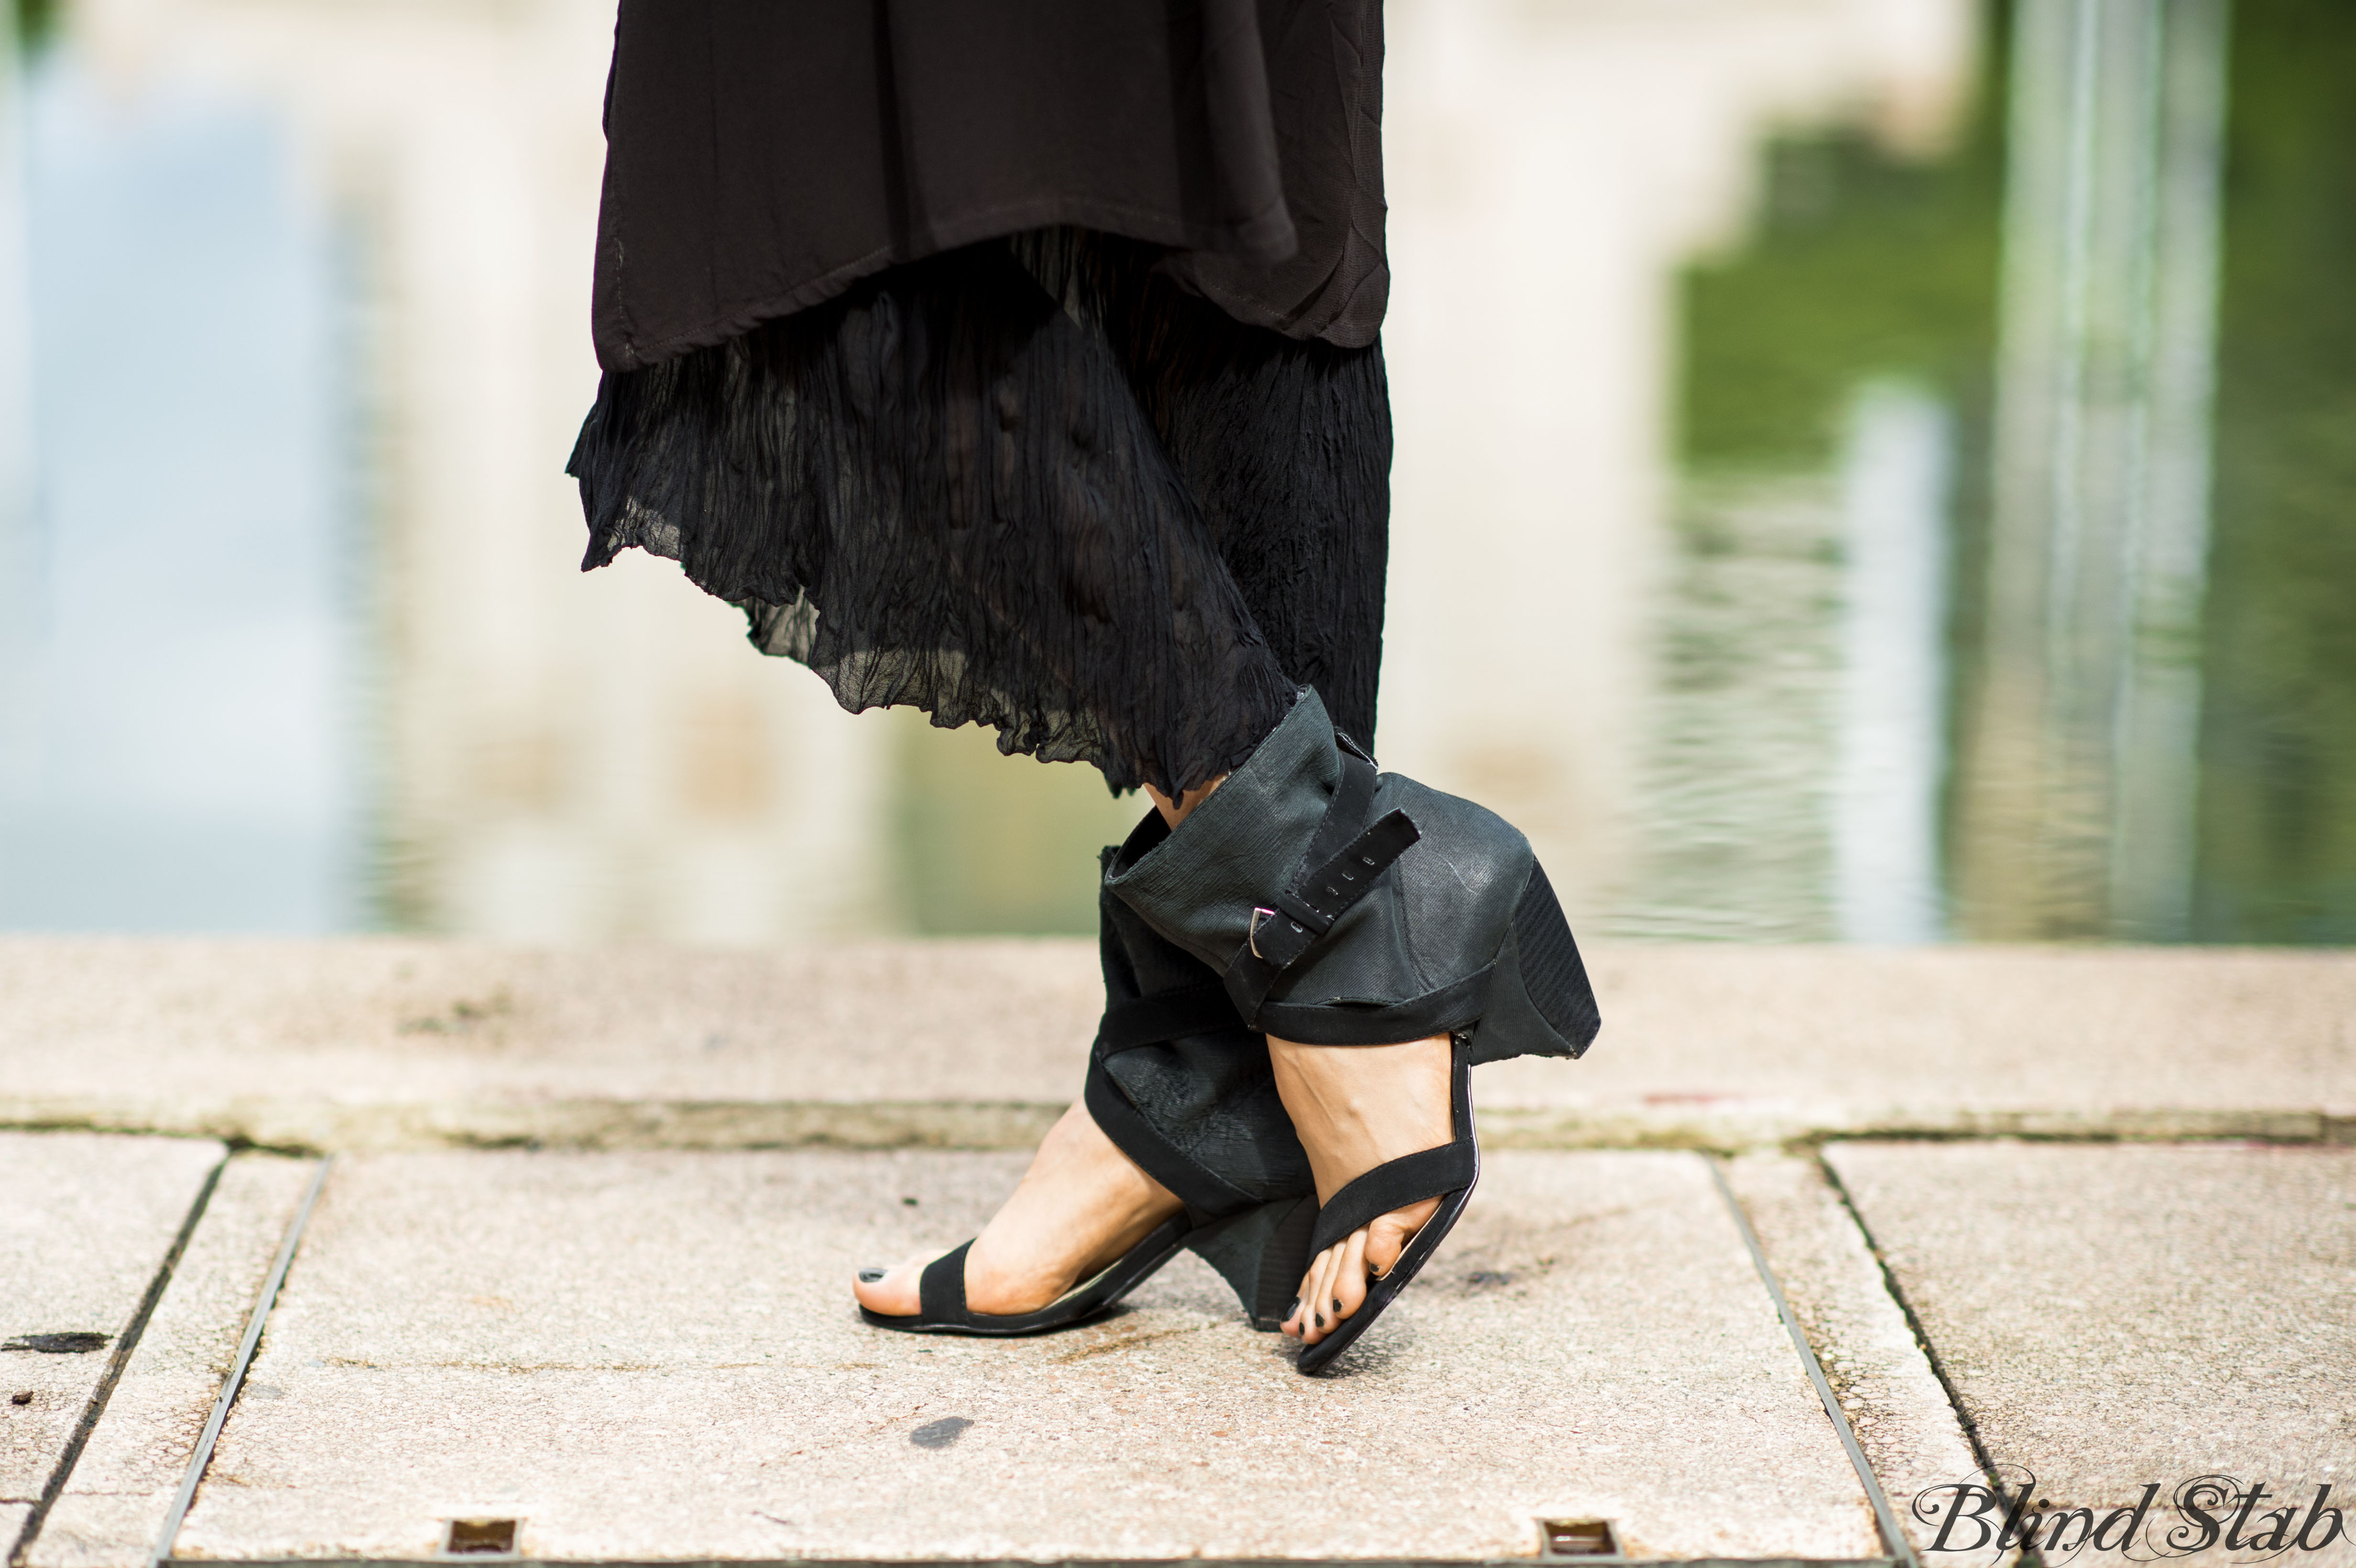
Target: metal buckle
(1251,938)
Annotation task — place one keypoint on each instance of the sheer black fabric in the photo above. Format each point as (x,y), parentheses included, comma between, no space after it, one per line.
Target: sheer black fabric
(1030,483)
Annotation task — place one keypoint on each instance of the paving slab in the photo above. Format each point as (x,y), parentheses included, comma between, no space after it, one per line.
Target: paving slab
(113,1504)
(2117,1317)
(86,1222)
(399,1044)
(1910,1429)
(648,1356)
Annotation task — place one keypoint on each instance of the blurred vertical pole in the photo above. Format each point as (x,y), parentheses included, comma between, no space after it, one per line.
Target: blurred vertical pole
(1894,491)
(2159,750)
(2077,807)
(20,601)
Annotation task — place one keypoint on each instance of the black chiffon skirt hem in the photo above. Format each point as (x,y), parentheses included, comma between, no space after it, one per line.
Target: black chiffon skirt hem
(1030,483)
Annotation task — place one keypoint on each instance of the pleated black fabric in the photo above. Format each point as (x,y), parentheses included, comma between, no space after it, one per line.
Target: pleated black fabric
(1030,483)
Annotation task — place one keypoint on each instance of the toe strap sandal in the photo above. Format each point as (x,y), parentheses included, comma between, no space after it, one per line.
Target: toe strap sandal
(1337,905)
(1182,1087)
(941,1292)
(1447,1173)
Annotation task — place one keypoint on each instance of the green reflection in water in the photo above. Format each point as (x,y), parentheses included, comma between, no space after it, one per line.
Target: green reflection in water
(2277,809)
(1865,265)
(1864,269)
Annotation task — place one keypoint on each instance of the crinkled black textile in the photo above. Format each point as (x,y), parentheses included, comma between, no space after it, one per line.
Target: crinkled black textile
(1030,483)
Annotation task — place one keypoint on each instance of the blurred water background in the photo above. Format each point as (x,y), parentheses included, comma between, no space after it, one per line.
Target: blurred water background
(1879,470)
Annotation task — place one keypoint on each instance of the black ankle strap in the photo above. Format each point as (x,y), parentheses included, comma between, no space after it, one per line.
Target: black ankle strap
(1337,871)
(940,1289)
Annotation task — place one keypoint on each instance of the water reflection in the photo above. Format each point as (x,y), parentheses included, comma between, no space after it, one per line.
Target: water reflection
(2277,805)
(182,710)
(1799,498)
(2148,707)
(1834,412)
(2076,806)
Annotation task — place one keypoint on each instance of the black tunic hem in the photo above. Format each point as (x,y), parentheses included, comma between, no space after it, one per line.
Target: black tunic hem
(1268,237)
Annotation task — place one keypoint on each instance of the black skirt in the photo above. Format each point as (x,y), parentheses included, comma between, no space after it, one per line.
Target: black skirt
(1030,483)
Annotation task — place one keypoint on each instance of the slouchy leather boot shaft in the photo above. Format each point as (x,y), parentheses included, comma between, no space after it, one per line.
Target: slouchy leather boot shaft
(1197,1107)
(1342,906)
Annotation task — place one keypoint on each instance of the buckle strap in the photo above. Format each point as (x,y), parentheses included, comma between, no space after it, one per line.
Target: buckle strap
(1164,1016)
(1344,869)
(1353,802)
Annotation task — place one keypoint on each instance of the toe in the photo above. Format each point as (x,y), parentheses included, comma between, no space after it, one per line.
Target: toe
(1315,1314)
(1335,1286)
(1322,1296)
(1350,1275)
(891,1293)
(1388,1237)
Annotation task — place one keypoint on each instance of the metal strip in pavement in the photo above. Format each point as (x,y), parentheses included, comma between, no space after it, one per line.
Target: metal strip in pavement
(125,1347)
(1893,1536)
(230,1384)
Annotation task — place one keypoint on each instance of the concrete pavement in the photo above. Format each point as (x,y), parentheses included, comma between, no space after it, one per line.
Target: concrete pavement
(398,1043)
(2114,1317)
(628,1339)
(88,1227)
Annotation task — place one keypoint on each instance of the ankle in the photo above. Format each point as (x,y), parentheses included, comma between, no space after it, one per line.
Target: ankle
(1174,812)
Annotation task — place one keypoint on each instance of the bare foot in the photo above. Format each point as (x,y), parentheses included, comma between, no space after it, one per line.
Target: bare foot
(1079,1206)
(1355,1107)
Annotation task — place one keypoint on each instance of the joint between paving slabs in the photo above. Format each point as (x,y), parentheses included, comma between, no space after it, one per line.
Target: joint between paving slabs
(232,1139)
(1007,1126)
(125,1346)
(2028,1557)
(1885,1514)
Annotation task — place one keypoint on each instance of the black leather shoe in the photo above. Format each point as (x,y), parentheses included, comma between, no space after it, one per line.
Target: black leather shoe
(1337,905)
(1341,906)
